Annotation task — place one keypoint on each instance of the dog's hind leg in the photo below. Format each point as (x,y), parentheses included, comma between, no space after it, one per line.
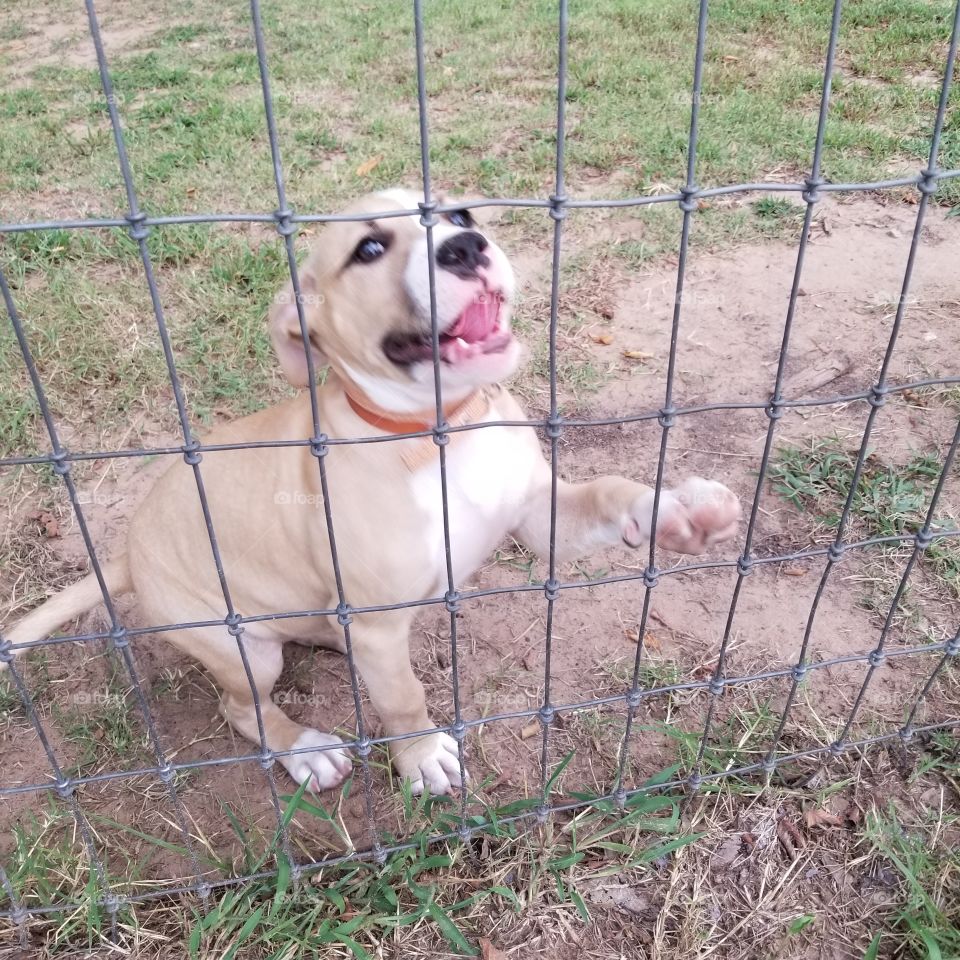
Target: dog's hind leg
(219,653)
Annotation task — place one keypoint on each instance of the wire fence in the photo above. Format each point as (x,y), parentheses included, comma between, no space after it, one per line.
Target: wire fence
(319,444)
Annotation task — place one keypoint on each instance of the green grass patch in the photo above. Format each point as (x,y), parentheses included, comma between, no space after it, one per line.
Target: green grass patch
(344,87)
(356,904)
(927,866)
(891,499)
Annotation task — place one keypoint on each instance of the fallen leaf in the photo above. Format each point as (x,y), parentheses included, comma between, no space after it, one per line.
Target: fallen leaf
(605,338)
(853,814)
(489,952)
(368,166)
(621,896)
(789,837)
(530,730)
(793,571)
(650,640)
(47,522)
(730,58)
(637,355)
(818,817)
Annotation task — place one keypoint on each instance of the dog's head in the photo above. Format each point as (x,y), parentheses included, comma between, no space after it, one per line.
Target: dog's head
(365,291)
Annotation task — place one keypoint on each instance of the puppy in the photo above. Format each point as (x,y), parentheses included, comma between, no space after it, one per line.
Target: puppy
(365,293)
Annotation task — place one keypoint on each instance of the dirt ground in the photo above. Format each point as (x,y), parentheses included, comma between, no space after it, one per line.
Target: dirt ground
(733,312)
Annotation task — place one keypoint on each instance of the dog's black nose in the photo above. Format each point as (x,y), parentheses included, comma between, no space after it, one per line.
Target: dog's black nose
(463,253)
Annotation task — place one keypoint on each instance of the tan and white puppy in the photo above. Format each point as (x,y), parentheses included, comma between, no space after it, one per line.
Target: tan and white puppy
(366,298)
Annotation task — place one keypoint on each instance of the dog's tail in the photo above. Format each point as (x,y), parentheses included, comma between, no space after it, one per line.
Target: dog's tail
(76,599)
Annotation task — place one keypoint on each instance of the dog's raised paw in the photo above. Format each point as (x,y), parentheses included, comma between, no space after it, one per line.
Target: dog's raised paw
(325,768)
(696,515)
(430,763)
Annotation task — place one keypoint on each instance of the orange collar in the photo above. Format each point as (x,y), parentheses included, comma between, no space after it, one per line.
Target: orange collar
(384,420)
(417,450)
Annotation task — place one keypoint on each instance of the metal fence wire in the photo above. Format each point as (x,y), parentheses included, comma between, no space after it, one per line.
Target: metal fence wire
(287,222)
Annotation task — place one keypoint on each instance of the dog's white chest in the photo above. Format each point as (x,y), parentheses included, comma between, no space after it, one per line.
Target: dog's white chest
(489,472)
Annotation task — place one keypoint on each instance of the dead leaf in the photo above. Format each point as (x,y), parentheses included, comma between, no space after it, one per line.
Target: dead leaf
(789,837)
(530,730)
(637,355)
(730,58)
(48,523)
(608,893)
(368,166)
(793,571)
(605,338)
(853,814)
(489,952)
(650,640)
(818,817)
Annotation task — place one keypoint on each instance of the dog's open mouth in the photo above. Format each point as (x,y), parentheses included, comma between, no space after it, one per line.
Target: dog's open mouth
(478,330)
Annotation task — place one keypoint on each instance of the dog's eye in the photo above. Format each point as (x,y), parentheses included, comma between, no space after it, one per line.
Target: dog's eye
(460,218)
(369,249)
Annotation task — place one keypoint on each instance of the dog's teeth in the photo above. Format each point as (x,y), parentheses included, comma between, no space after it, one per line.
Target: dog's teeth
(463,343)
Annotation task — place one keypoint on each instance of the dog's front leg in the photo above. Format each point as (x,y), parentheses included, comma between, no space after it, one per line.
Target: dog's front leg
(381,653)
(611,510)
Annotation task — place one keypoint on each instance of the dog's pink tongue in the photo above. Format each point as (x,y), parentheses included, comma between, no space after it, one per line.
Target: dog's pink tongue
(478,321)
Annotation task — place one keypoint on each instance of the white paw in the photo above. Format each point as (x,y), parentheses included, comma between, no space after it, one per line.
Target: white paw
(429,762)
(325,769)
(691,517)
(696,515)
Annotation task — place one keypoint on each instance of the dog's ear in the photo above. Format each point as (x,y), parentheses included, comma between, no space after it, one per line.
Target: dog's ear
(285,329)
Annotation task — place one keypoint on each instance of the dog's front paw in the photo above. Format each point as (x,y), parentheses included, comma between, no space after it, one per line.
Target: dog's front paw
(325,768)
(428,763)
(695,515)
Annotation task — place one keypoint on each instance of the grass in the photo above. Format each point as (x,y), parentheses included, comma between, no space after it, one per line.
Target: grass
(656,866)
(357,904)
(891,500)
(928,922)
(187,88)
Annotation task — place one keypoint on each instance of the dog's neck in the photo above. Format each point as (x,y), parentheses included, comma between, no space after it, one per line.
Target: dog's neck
(421,450)
(456,414)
